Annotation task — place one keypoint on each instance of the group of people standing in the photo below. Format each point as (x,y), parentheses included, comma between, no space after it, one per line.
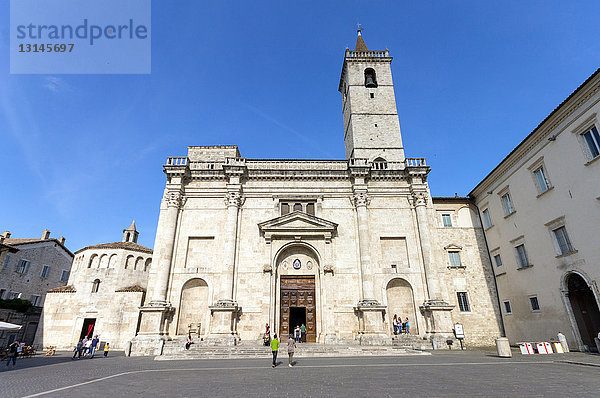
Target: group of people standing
(87,347)
(300,334)
(399,326)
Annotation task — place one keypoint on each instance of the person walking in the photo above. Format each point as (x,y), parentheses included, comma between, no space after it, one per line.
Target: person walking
(406,326)
(297,333)
(291,345)
(93,346)
(78,349)
(12,354)
(274,348)
(395,323)
(303,333)
(106,348)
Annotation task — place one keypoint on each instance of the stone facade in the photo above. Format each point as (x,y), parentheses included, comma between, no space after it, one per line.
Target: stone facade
(28,268)
(551,178)
(105,290)
(340,245)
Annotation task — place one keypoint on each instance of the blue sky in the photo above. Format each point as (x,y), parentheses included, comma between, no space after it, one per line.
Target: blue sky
(82,155)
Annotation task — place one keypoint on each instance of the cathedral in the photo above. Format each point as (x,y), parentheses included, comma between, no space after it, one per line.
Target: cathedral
(341,245)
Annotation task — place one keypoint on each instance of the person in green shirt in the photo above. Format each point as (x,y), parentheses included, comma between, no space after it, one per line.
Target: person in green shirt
(274,348)
(303,331)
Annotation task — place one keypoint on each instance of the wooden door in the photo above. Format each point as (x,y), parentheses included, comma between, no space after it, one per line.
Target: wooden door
(298,291)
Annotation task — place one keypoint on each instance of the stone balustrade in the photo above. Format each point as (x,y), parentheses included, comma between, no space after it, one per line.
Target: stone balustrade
(266,164)
(415,162)
(367,54)
(177,161)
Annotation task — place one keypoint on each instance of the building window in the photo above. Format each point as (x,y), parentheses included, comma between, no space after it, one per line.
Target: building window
(498,260)
(35,300)
(507,204)
(13,295)
(95,286)
(379,163)
(2,291)
(454,259)
(64,276)
(45,271)
(6,260)
(522,256)
(447,220)
(535,305)
(592,140)
(562,241)
(463,302)
(507,309)
(487,220)
(307,207)
(22,266)
(541,180)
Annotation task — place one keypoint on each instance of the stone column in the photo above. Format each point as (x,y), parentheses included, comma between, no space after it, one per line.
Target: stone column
(224,311)
(163,246)
(233,202)
(435,310)
(370,312)
(433,287)
(361,201)
(156,314)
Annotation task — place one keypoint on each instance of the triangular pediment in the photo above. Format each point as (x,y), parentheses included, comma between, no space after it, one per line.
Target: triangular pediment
(298,224)
(453,246)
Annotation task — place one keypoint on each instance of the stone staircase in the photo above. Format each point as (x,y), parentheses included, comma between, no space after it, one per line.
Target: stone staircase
(175,350)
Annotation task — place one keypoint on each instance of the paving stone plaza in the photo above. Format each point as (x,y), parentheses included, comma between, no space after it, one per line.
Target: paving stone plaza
(434,373)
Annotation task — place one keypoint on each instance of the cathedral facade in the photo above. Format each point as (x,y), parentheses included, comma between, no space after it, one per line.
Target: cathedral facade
(338,245)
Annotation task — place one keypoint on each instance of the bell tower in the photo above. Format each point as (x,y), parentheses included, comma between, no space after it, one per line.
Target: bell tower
(371,125)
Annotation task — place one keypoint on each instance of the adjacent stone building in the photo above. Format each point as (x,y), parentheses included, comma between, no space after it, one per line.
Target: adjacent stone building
(339,245)
(29,267)
(105,290)
(541,211)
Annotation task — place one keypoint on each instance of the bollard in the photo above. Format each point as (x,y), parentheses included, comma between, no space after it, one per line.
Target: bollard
(503,347)
(563,342)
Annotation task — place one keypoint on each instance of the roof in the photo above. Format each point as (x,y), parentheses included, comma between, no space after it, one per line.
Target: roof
(8,248)
(119,245)
(131,227)
(539,126)
(62,289)
(131,289)
(360,43)
(14,242)
(452,198)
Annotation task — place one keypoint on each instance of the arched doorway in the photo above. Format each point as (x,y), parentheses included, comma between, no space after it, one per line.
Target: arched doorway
(297,272)
(193,306)
(585,309)
(401,302)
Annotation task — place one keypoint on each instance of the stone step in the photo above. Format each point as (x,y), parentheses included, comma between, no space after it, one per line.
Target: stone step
(227,354)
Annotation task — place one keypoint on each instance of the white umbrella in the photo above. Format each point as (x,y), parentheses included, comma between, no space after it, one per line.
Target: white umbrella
(9,326)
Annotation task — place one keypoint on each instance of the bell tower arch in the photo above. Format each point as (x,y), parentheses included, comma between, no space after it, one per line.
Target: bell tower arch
(371,125)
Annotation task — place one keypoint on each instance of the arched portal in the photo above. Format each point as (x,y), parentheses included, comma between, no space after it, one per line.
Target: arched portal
(401,302)
(585,309)
(193,306)
(297,268)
